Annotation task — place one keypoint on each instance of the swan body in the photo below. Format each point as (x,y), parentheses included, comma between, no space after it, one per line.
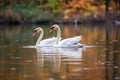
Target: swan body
(69,42)
(45,42)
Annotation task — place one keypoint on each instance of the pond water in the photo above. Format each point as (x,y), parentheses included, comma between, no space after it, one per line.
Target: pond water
(99,60)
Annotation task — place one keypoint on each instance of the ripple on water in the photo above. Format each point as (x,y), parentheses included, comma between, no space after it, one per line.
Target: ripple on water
(12,69)
(28,75)
(29,61)
(29,47)
(117,78)
(13,57)
(115,66)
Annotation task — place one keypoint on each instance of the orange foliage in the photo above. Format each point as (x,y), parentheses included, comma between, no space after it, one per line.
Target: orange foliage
(74,9)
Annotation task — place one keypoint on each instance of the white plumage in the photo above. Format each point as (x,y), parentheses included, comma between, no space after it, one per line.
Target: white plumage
(45,42)
(68,42)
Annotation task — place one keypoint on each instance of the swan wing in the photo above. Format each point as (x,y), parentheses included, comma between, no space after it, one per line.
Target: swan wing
(48,42)
(70,41)
(64,41)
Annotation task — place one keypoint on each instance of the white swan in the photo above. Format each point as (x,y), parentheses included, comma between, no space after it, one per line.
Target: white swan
(69,42)
(45,42)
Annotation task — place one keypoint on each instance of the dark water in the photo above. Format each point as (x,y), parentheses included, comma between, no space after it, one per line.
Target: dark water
(99,60)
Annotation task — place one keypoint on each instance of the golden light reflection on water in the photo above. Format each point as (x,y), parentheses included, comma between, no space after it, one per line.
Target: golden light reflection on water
(99,62)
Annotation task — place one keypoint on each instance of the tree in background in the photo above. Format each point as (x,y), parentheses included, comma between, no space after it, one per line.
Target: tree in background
(52,6)
(82,7)
(34,10)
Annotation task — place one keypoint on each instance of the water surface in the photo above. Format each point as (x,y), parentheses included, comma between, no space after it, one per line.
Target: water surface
(99,60)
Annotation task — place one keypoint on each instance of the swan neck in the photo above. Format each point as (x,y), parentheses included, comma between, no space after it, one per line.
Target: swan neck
(58,36)
(40,38)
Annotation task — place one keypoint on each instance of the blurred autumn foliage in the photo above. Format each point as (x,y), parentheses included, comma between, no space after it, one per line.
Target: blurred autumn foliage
(36,11)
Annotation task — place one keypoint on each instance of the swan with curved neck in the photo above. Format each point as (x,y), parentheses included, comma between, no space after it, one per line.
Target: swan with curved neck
(38,30)
(68,42)
(45,42)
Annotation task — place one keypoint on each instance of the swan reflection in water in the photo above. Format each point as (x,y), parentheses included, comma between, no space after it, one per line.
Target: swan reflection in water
(50,56)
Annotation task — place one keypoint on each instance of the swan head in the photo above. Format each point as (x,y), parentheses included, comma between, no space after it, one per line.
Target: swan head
(54,27)
(37,30)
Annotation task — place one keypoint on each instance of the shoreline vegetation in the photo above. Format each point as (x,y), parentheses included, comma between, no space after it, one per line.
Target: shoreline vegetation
(59,11)
(7,19)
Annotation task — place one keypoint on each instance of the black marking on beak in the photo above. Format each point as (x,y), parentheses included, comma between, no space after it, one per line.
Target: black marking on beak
(51,29)
(34,31)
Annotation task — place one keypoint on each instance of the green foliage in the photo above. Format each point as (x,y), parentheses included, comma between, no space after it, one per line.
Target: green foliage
(50,5)
(30,13)
(54,5)
(35,10)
